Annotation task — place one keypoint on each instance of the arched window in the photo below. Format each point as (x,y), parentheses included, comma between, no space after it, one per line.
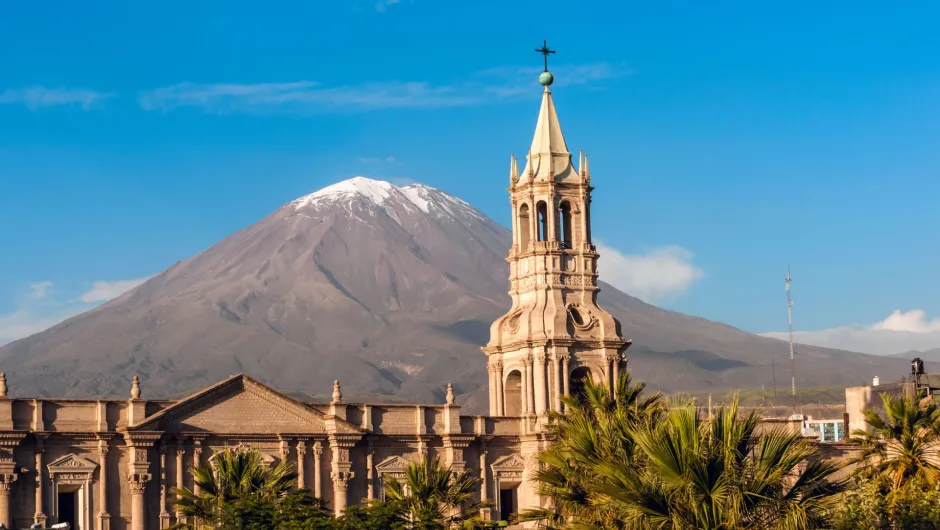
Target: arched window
(512,390)
(565,210)
(523,226)
(543,220)
(576,381)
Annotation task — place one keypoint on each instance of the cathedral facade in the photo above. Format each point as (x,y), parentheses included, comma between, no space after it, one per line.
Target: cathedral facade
(112,464)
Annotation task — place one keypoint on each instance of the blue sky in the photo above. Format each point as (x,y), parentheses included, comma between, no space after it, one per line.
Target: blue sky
(727,140)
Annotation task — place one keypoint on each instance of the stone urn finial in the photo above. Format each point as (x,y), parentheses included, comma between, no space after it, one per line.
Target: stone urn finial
(135,388)
(450,394)
(3,384)
(337,394)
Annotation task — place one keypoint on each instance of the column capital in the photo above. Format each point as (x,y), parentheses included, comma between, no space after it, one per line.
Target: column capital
(495,366)
(301,447)
(341,479)
(6,482)
(138,482)
(317,449)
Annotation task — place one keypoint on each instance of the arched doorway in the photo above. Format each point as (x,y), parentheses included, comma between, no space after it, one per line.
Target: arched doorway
(576,381)
(512,393)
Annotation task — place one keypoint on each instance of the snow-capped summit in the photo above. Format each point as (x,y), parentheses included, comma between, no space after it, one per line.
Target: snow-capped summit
(431,201)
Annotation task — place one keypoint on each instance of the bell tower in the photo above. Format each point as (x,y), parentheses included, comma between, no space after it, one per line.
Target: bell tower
(555,334)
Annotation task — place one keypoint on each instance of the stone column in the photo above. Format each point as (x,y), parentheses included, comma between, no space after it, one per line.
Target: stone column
(137,478)
(164,514)
(609,375)
(492,389)
(39,517)
(180,475)
(556,380)
(340,469)
(6,485)
(138,475)
(540,395)
(197,460)
(500,395)
(564,370)
(616,374)
(301,460)
(370,491)
(104,518)
(526,388)
(485,513)
(317,480)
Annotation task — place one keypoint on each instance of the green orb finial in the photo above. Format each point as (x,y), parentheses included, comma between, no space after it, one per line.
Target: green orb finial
(546,78)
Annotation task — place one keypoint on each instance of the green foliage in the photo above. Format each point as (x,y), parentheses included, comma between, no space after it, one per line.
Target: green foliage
(628,462)
(375,515)
(238,491)
(432,497)
(896,485)
(900,448)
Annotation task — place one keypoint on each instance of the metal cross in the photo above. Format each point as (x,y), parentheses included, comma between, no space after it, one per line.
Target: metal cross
(545,51)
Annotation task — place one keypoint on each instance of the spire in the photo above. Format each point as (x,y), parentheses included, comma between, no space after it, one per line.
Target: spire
(337,394)
(513,170)
(450,394)
(548,157)
(135,388)
(586,169)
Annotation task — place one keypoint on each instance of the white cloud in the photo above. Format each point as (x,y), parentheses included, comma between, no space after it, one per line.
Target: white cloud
(39,308)
(308,96)
(658,275)
(383,5)
(102,291)
(39,290)
(899,332)
(377,160)
(38,97)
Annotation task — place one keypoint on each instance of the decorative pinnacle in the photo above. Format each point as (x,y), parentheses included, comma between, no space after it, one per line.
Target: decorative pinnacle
(337,394)
(3,384)
(135,388)
(450,394)
(546,78)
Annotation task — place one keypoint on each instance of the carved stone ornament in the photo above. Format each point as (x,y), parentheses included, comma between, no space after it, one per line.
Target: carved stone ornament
(342,478)
(71,467)
(510,466)
(581,317)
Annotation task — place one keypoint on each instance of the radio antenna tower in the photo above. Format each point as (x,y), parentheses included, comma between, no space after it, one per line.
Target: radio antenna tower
(790,323)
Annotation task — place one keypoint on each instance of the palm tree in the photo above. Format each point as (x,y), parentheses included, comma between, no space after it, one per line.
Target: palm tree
(433,497)
(901,447)
(594,428)
(629,462)
(235,475)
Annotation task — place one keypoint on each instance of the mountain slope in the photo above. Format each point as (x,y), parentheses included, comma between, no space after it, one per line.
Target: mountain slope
(391,290)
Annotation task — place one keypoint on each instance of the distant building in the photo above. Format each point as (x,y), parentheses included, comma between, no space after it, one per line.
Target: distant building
(825,431)
(859,398)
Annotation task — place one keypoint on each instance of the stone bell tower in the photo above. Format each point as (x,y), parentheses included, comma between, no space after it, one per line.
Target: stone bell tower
(555,334)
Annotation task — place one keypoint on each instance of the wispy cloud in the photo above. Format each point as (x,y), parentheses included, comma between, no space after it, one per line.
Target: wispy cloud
(39,97)
(377,160)
(382,5)
(490,86)
(899,332)
(102,291)
(43,306)
(656,276)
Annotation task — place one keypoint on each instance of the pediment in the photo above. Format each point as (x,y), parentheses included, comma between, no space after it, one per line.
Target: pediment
(513,461)
(241,405)
(393,464)
(72,463)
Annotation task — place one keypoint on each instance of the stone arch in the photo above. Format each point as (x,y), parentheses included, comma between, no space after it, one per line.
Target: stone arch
(567,238)
(523,225)
(512,393)
(577,379)
(542,212)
